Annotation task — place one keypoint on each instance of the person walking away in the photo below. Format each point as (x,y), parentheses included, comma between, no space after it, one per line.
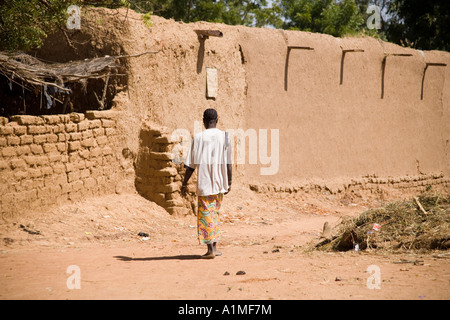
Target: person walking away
(210,154)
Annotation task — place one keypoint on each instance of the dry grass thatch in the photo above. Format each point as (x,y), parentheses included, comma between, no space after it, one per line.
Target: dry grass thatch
(31,71)
(421,223)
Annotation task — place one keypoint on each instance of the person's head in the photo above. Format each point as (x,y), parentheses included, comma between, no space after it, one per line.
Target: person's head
(210,118)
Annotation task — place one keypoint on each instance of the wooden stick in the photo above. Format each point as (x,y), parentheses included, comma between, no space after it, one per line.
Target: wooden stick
(104,92)
(420,205)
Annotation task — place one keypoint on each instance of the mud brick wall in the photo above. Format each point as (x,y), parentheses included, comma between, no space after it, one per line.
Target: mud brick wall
(52,159)
(158,175)
(370,183)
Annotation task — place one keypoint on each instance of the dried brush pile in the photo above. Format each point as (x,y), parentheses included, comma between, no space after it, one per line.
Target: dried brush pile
(421,223)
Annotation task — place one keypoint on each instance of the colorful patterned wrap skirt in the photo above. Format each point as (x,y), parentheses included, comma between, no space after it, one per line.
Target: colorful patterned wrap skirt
(208,220)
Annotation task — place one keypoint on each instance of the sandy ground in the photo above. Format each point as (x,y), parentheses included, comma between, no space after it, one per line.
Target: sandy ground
(266,236)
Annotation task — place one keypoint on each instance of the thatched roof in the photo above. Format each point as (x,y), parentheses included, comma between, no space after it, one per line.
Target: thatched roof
(32,71)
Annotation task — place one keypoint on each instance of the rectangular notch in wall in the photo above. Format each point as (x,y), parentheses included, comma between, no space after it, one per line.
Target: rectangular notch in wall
(383,67)
(427,65)
(344,52)
(286,66)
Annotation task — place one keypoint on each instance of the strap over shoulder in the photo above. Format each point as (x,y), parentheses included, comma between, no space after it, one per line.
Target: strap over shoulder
(226,140)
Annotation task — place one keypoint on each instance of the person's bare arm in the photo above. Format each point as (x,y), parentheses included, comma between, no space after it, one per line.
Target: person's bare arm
(229,173)
(187,176)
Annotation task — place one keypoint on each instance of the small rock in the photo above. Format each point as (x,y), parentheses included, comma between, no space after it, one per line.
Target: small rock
(275,250)
(338,278)
(226,273)
(240,273)
(143,234)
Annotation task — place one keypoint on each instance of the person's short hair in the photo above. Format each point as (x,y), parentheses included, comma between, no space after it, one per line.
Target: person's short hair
(209,115)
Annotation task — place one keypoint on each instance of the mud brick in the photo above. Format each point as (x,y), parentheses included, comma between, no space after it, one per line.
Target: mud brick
(74,145)
(2,141)
(74,175)
(76,117)
(87,134)
(107,151)
(71,167)
(58,128)
(6,130)
(36,149)
(102,140)
(42,160)
(85,173)
(20,150)
(98,132)
(28,120)
(169,171)
(3,121)
(18,163)
(90,183)
(88,163)
(178,211)
(166,140)
(77,185)
(21,197)
(27,184)
(3,164)
(31,160)
(38,182)
(74,136)
(62,137)
(108,123)
(61,146)
(20,174)
(37,129)
(40,139)
(34,172)
(83,125)
(85,154)
(88,142)
(71,127)
(52,138)
(66,187)
(174,203)
(93,124)
(54,157)
(13,140)
(55,190)
(161,155)
(105,114)
(59,168)
(95,152)
(74,157)
(26,139)
(47,171)
(65,118)
(168,188)
(49,147)
(110,131)
(9,152)
(44,192)
(20,130)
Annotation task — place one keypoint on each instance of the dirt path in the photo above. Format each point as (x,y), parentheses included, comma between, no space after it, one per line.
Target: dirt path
(268,242)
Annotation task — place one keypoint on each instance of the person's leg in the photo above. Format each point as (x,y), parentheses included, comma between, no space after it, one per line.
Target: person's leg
(216,252)
(210,253)
(208,223)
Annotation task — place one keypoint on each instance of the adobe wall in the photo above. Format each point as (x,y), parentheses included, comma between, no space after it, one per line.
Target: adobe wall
(53,159)
(333,134)
(333,131)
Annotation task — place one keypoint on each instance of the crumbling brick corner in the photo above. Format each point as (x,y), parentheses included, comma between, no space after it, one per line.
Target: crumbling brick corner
(158,175)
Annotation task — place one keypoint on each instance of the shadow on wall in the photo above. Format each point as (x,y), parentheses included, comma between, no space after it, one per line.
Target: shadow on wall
(158,178)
